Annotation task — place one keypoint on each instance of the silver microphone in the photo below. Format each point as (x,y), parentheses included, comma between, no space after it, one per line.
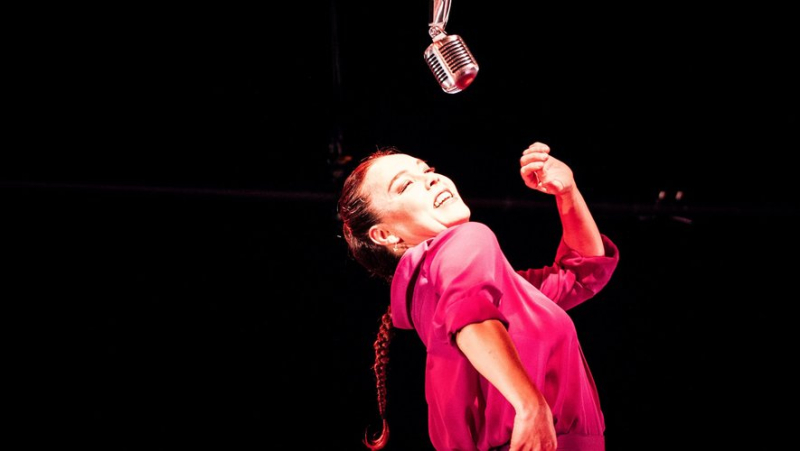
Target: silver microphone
(448,56)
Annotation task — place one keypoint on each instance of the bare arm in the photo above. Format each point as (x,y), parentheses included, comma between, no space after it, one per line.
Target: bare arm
(580,230)
(489,348)
(547,174)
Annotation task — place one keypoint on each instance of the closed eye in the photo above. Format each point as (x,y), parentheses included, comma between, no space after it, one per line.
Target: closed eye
(405,184)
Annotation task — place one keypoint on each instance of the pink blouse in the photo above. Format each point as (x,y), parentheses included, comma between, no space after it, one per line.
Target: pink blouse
(461,277)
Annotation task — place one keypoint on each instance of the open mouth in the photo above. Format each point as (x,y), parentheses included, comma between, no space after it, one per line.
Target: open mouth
(443,197)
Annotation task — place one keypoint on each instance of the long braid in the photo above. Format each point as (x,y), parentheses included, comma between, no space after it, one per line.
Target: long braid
(358,216)
(381,346)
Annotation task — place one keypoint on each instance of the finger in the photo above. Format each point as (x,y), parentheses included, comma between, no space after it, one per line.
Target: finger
(537,147)
(533,166)
(538,159)
(557,186)
(531,177)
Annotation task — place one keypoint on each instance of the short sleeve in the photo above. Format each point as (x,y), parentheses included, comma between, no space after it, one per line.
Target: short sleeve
(573,278)
(467,270)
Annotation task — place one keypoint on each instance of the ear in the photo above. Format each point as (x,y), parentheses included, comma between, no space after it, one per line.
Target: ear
(382,236)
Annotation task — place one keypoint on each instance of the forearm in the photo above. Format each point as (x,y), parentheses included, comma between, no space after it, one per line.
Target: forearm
(489,348)
(579,228)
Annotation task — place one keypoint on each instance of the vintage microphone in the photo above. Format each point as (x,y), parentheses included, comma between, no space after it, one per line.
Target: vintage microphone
(448,56)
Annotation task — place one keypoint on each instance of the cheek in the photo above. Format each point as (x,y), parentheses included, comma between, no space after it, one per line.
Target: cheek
(408,213)
(402,207)
(400,213)
(415,213)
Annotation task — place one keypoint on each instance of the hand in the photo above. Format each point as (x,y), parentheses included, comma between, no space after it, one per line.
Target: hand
(545,173)
(534,431)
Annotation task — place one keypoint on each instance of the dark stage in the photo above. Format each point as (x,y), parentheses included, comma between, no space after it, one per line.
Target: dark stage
(176,275)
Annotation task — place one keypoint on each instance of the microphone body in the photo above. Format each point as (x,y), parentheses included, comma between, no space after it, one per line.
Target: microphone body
(451,63)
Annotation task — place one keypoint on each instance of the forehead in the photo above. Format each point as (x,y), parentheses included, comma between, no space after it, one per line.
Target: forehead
(386,167)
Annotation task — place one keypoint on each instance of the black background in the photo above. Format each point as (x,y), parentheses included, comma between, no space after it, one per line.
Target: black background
(175,271)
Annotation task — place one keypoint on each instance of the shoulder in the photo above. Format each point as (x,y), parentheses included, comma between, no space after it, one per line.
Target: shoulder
(475,234)
(464,254)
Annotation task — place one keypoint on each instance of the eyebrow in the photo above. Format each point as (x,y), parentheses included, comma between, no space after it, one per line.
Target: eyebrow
(399,174)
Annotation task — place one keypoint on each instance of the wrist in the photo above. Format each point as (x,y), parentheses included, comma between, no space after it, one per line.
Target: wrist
(532,407)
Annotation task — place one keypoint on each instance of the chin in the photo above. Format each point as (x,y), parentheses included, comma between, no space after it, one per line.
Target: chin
(458,217)
(458,221)
(466,215)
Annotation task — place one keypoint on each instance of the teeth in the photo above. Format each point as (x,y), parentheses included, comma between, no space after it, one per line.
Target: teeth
(442,198)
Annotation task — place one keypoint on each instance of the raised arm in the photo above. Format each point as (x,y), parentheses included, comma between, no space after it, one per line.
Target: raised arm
(545,173)
(489,348)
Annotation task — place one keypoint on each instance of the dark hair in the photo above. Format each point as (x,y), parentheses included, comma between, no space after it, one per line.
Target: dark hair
(357,215)
(355,211)
(381,346)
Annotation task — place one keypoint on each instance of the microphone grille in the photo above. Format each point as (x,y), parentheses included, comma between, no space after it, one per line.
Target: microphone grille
(451,63)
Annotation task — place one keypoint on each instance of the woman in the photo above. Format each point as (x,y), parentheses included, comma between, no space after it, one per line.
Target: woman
(504,368)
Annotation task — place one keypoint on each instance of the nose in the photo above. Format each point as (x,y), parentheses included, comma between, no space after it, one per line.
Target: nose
(433,179)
